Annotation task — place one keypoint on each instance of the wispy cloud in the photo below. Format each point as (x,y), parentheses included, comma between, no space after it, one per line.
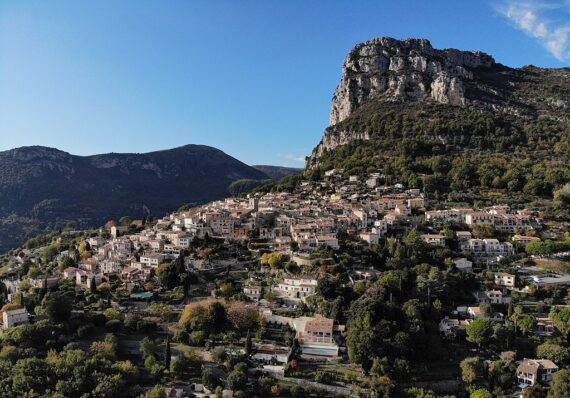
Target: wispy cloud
(534,19)
(295,158)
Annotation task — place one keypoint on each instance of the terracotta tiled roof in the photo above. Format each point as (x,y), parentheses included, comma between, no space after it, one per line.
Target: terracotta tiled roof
(319,325)
(533,365)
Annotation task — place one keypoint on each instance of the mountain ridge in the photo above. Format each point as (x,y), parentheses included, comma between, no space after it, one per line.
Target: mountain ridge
(277,172)
(46,188)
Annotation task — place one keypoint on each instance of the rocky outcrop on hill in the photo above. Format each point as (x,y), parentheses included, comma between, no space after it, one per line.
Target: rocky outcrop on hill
(390,71)
(402,70)
(334,138)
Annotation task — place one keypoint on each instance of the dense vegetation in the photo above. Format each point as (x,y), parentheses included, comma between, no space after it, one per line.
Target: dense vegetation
(242,186)
(452,153)
(277,172)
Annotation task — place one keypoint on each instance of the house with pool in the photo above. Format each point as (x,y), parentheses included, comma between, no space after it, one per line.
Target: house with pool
(317,337)
(315,334)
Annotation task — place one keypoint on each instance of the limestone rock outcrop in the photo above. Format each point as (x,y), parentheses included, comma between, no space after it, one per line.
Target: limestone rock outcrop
(404,70)
(386,74)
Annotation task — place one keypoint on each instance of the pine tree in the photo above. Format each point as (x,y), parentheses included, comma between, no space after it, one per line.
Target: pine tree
(93,285)
(179,264)
(43,290)
(248,343)
(167,354)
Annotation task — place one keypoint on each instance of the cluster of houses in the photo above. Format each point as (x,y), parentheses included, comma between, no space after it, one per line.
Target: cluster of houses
(311,219)
(529,371)
(308,221)
(130,257)
(315,334)
(496,296)
(304,221)
(499,217)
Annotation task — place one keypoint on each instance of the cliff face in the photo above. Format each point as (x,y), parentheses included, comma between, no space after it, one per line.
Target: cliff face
(390,71)
(333,138)
(403,70)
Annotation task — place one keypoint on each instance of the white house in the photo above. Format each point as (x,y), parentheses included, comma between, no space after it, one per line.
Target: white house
(370,237)
(475,312)
(486,248)
(449,327)
(152,260)
(433,239)
(252,292)
(416,203)
(317,337)
(479,218)
(182,240)
(463,236)
(524,240)
(70,272)
(462,264)
(533,371)
(14,317)
(327,240)
(504,279)
(492,297)
(296,288)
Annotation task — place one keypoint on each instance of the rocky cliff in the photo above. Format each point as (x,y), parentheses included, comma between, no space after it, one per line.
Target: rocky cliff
(403,70)
(390,71)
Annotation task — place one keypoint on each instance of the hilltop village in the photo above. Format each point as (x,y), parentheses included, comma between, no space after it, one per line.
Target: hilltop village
(347,287)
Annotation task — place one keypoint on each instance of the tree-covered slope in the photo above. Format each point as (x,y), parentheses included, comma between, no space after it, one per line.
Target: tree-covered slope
(277,172)
(446,149)
(447,121)
(46,188)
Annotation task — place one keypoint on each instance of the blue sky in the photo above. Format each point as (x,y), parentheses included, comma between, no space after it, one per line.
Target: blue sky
(253,78)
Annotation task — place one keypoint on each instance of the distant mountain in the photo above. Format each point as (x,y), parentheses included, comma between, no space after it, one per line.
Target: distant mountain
(274,174)
(44,188)
(277,172)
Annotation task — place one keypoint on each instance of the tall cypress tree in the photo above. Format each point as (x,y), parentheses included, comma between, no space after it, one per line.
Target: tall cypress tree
(93,285)
(167,354)
(248,343)
(43,290)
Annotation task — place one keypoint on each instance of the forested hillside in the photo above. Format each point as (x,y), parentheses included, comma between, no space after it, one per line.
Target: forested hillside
(451,150)
(47,189)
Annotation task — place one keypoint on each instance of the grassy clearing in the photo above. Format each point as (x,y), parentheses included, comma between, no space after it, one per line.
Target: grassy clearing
(205,302)
(552,265)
